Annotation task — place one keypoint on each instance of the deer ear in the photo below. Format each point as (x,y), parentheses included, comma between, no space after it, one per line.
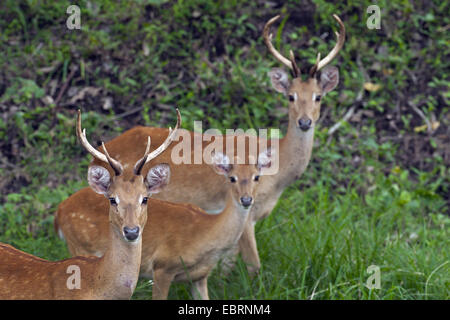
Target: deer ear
(99,179)
(265,159)
(279,79)
(157,177)
(221,163)
(329,78)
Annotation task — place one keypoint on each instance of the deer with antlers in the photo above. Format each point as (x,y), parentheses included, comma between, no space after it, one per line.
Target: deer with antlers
(181,242)
(200,185)
(114,275)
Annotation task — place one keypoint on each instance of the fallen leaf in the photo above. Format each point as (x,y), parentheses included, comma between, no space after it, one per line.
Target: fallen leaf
(421,128)
(145,49)
(372,87)
(48,100)
(434,126)
(107,104)
(83,92)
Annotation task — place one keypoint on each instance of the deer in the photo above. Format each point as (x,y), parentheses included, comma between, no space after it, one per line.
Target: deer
(182,242)
(113,275)
(200,185)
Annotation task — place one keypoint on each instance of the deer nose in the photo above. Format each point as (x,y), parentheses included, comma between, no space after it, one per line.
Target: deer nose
(131,234)
(246,201)
(304,124)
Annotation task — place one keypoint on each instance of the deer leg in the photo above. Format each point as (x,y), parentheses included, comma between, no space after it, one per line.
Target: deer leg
(161,284)
(248,248)
(199,289)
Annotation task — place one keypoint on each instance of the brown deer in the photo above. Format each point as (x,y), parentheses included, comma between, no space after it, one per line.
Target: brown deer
(200,185)
(181,242)
(114,275)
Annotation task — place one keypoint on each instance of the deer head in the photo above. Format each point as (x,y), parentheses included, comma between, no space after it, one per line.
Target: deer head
(243,178)
(127,195)
(304,96)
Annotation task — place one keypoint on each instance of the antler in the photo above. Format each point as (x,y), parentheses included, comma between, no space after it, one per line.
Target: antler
(81,134)
(290,63)
(268,41)
(149,156)
(333,53)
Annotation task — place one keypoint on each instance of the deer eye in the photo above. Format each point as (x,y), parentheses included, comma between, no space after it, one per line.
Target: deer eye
(291,98)
(144,200)
(256,178)
(233,179)
(318,98)
(113,201)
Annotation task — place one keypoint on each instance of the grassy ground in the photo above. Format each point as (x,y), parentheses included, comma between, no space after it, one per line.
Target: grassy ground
(376,191)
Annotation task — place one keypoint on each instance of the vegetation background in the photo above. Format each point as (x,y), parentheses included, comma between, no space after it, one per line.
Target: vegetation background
(375,193)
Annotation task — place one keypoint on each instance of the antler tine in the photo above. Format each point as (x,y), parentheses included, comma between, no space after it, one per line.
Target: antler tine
(140,163)
(168,140)
(117,167)
(149,156)
(268,41)
(295,70)
(314,67)
(340,42)
(81,134)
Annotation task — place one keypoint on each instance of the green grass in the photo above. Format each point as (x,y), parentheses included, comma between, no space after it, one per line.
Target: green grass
(365,199)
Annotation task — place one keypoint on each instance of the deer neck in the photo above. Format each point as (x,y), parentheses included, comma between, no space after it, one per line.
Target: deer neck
(230,222)
(119,268)
(295,153)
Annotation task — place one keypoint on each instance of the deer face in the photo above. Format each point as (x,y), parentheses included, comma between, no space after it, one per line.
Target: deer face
(243,178)
(128,198)
(304,96)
